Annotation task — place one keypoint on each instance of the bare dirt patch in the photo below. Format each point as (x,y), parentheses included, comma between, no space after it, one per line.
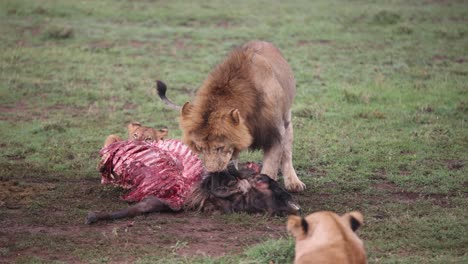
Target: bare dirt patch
(379,174)
(101,45)
(22,111)
(138,44)
(9,110)
(224,24)
(443,58)
(454,164)
(33,30)
(394,193)
(318,172)
(315,42)
(443,2)
(46,215)
(14,194)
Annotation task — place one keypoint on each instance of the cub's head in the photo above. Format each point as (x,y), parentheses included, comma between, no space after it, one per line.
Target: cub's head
(217,135)
(304,227)
(142,133)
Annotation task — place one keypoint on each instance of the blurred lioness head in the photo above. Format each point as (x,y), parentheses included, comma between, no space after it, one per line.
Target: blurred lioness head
(138,132)
(143,133)
(325,237)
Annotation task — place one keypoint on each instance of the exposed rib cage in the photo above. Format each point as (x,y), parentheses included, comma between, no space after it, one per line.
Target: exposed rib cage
(166,169)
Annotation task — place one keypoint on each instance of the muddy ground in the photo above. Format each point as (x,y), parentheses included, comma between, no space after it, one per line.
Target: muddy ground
(44,220)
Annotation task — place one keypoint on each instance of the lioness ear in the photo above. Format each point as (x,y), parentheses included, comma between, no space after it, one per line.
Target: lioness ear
(297,226)
(132,127)
(355,219)
(235,116)
(161,133)
(186,109)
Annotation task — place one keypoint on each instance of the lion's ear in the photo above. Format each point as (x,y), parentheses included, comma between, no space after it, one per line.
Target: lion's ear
(297,226)
(186,109)
(132,127)
(355,219)
(161,133)
(235,116)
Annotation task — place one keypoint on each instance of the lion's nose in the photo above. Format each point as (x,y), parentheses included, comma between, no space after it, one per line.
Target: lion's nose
(213,163)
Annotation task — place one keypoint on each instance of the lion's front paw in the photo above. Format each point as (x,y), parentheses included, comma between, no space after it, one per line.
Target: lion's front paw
(295,186)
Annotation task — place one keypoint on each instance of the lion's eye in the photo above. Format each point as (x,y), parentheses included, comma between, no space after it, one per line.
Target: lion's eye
(148,139)
(220,149)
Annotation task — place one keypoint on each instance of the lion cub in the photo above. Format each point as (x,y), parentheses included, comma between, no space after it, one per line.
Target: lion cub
(138,132)
(325,237)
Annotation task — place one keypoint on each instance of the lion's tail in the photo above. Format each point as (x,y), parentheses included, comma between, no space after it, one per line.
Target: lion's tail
(161,87)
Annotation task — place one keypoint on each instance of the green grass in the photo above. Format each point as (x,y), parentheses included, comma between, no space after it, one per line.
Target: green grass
(380,115)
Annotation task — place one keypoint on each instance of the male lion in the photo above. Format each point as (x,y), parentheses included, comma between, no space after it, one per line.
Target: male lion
(244,103)
(326,238)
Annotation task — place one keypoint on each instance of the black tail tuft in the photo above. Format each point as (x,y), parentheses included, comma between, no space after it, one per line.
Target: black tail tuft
(161,87)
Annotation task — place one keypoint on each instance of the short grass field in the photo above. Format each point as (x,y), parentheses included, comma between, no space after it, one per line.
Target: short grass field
(380,123)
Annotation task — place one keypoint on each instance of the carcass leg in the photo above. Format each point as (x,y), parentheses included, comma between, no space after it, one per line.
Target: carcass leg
(148,205)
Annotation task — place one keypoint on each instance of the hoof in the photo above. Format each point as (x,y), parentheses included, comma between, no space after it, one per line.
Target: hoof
(91,218)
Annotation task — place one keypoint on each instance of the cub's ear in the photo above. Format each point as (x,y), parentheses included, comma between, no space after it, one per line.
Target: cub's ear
(132,127)
(355,219)
(186,108)
(297,226)
(235,116)
(111,139)
(161,133)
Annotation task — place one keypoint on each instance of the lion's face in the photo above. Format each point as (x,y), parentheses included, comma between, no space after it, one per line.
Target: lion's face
(217,138)
(215,154)
(142,133)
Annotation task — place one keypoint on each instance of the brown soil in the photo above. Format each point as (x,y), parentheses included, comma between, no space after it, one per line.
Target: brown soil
(46,220)
(315,42)
(22,111)
(454,164)
(394,193)
(43,217)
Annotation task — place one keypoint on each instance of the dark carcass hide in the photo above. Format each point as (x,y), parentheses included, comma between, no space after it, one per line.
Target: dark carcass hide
(166,175)
(243,190)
